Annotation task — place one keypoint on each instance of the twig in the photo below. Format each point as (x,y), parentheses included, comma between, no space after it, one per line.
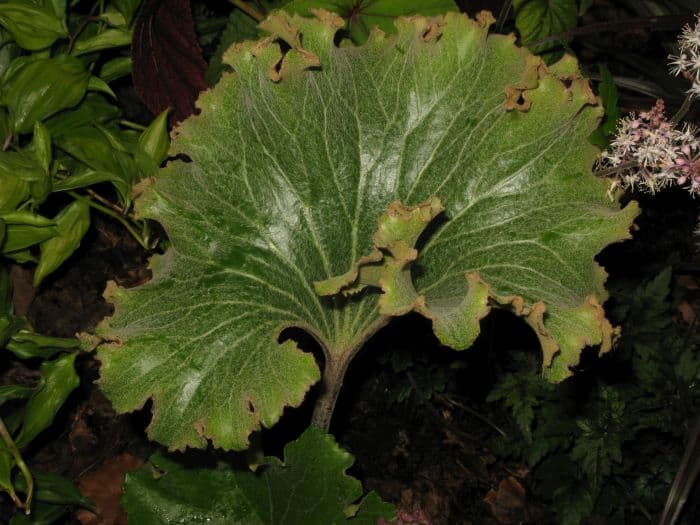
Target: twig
(635,501)
(100,198)
(503,15)
(471,411)
(616,169)
(248,10)
(683,110)
(10,444)
(107,211)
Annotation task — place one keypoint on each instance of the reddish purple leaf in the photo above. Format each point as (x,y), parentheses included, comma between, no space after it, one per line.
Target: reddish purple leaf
(168,66)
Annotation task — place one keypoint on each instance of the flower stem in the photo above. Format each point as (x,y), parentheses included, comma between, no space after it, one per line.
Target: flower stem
(616,169)
(682,111)
(249,10)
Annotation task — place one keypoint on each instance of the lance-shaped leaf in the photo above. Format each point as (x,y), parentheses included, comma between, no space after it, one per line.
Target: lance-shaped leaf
(292,159)
(310,487)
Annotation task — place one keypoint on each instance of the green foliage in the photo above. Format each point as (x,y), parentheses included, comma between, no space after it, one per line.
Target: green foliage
(619,447)
(608,92)
(309,487)
(62,132)
(29,410)
(539,19)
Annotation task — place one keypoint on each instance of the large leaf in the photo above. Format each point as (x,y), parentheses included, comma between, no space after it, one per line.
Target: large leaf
(291,162)
(310,487)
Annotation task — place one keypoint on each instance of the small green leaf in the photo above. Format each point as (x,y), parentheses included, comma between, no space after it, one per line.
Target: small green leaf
(21,236)
(116,68)
(71,223)
(40,88)
(31,350)
(23,165)
(154,140)
(608,92)
(88,178)
(42,514)
(371,509)
(46,341)
(9,392)
(58,380)
(41,145)
(9,326)
(34,25)
(92,147)
(311,487)
(107,39)
(14,189)
(100,86)
(26,217)
(54,489)
(93,109)
(537,19)
(21,256)
(127,8)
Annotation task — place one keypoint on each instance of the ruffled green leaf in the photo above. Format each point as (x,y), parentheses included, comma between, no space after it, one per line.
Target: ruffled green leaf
(290,162)
(310,487)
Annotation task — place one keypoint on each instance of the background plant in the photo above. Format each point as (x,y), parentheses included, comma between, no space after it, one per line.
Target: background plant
(66,151)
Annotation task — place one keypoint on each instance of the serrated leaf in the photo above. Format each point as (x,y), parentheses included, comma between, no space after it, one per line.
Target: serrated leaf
(291,164)
(537,19)
(310,487)
(168,68)
(239,27)
(362,16)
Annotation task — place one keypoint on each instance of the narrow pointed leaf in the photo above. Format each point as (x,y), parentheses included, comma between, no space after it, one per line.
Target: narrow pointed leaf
(71,224)
(58,380)
(292,160)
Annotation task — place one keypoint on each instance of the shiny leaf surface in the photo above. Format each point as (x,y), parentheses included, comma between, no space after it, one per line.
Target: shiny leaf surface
(310,487)
(294,157)
(71,225)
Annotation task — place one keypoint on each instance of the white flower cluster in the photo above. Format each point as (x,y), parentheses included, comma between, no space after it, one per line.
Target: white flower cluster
(687,62)
(649,153)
